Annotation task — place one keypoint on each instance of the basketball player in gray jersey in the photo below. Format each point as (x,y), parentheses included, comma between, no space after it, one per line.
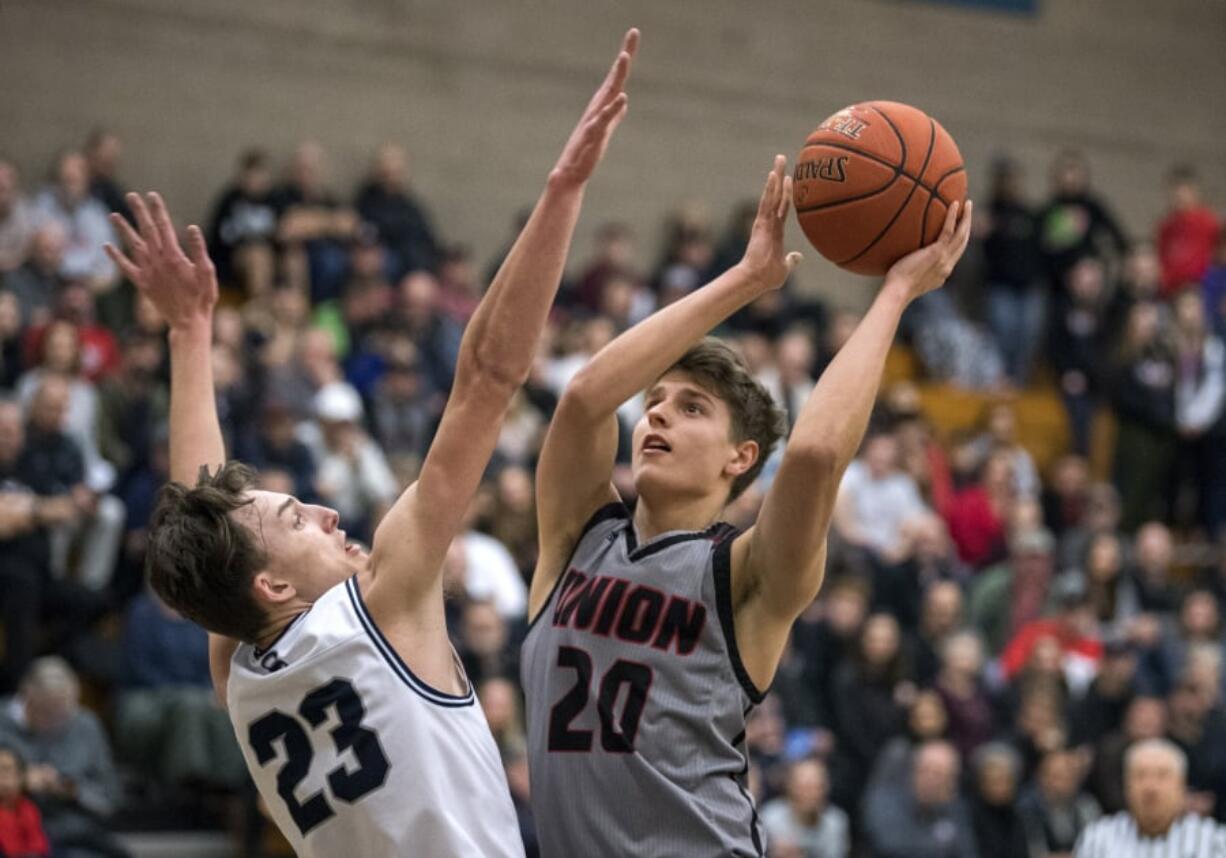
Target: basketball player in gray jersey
(655,632)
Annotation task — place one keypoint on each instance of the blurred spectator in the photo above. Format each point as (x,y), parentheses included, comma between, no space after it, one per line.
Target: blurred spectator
(687,257)
(401,220)
(461,288)
(436,336)
(70,773)
(1145,718)
(1113,594)
(876,499)
(103,149)
(1072,628)
(1056,810)
(1153,564)
(16,220)
(483,569)
(871,692)
(312,224)
(827,636)
(1079,339)
(1215,289)
(515,761)
(1074,223)
(999,828)
(131,404)
(1198,624)
(1066,498)
(1012,593)
(942,613)
(1144,401)
(923,816)
(95,524)
(1101,710)
(613,257)
(242,228)
(98,348)
(352,473)
(927,721)
(37,281)
(977,513)
(21,825)
(1156,820)
(960,686)
(1016,293)
(167,720)
(35,606)
(1197,724)
(276,446)
(403,413)
(1188,235)
(483,642)
(1200,409)
(952,348)
(804,824)
(10,339)
(499,698)
(82,219)
(1000,435)
(1102,515)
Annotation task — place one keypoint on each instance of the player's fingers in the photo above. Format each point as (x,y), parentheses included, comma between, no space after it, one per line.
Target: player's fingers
(785,199)
(766,205)
(964,227)
(161,218)
(951,220)
(630,42)
(124,264)
(130,239)
(197,252)
(143,220)
(618,116)
(792,260)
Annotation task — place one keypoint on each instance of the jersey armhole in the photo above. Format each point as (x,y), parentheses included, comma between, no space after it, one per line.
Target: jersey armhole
(612,510)
(721,565)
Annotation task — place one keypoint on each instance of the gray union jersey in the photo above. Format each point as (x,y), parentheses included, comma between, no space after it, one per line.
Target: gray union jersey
(637,699)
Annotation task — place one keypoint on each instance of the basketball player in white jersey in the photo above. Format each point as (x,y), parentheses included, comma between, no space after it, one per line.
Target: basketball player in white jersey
(356,720)
(654,632)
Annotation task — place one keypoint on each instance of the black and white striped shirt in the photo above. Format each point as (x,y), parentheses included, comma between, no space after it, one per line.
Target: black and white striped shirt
(1190,836)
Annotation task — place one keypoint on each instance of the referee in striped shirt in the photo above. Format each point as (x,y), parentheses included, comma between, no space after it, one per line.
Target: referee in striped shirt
(1155,824)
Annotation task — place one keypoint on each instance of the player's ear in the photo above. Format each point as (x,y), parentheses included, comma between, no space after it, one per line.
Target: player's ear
(269,588)
(744,455)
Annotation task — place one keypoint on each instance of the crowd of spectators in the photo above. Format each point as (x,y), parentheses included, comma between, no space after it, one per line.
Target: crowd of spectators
(994,631)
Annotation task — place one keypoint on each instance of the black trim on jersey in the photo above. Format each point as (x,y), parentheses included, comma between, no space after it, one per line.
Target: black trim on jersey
(260,653)
(721,564)
(739,780)
(423,689)
(613,509)
(639,552)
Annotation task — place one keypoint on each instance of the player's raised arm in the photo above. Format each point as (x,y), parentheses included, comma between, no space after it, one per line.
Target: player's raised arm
(183,287)
(778,565)
(572,478)
(496,356)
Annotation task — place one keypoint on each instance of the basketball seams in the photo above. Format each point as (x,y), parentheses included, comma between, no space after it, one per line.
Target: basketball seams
(949,175)
(932,140)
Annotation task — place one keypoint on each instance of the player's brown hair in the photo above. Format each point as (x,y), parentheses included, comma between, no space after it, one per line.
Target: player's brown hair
(200,560)
(755,417)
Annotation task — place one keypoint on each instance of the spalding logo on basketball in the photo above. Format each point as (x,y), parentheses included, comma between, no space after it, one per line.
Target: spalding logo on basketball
(873,182)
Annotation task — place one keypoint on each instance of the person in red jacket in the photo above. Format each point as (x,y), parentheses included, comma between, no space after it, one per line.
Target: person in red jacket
(1187,235)
(21,825)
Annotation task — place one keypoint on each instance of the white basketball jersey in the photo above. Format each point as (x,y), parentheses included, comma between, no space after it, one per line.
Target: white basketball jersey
(355,756)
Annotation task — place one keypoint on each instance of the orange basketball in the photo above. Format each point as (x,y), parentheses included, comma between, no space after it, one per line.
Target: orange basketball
(873,183)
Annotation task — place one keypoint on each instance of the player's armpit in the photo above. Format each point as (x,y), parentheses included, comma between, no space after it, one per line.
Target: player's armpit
(572,482)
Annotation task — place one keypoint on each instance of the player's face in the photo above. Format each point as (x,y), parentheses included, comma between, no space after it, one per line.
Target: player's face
(305,543)
(683,444)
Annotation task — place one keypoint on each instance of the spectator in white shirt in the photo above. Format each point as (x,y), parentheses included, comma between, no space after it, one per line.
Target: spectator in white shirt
(804,824)
(877,499)
(84,221)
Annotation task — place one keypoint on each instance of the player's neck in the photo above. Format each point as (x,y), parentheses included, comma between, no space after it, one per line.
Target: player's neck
(669,514)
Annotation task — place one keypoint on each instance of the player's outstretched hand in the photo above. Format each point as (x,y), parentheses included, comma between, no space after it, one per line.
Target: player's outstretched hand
(183,287)
(765,259)
(604,113)
(926,269)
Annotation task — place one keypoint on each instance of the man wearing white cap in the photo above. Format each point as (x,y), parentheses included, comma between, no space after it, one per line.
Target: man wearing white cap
(352,474)
(1155,824)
